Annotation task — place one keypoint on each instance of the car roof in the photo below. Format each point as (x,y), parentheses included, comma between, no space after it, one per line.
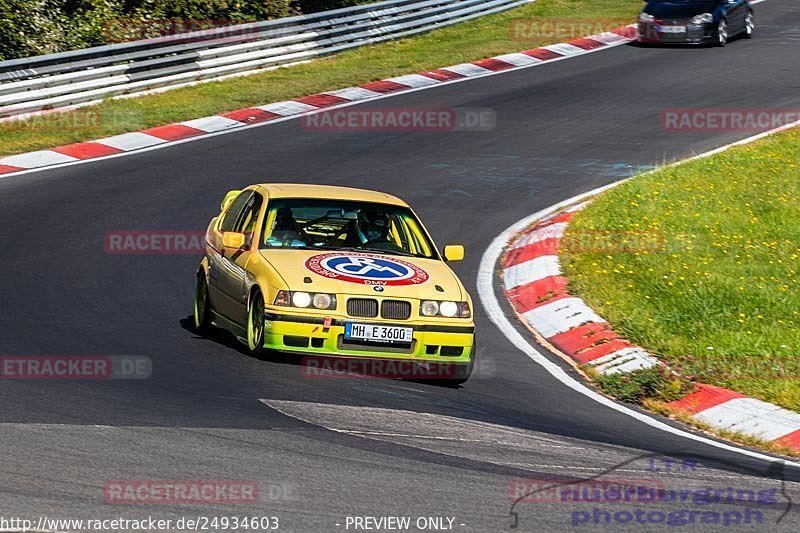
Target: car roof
(326,192)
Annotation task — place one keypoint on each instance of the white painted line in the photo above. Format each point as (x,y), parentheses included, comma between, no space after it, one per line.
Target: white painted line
(495,313)
(414,80)
(518,59)
(530,271)
(752,417)
(565,49)
(42,158)
(469,70)
(552,231)
(287,108)
(560,316)
(355,93)
(131,141)
(212,124)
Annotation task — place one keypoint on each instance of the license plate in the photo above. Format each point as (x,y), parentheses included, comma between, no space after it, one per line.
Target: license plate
(672,29)
(378,333)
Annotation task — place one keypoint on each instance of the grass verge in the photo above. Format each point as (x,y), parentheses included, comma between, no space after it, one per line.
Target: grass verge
(719,301)
(543,22)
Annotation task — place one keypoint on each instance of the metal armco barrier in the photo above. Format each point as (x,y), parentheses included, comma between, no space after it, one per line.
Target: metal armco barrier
(87,76)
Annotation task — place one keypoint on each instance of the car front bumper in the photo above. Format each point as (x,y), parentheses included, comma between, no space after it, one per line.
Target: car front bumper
(433,343)
(652,33)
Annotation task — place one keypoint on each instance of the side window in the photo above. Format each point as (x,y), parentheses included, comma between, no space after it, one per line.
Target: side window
(233,212)
(247,222)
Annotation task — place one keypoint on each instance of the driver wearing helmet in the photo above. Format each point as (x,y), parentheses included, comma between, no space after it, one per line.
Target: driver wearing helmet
(373,231)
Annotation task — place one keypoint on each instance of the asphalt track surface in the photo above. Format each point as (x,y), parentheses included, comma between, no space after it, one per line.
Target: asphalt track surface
(325,449)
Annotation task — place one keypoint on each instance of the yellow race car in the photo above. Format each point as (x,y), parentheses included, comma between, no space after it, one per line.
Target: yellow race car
(334,271)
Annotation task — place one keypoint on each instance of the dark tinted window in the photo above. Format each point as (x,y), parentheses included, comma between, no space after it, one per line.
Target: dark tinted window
(236,208)
(247,221)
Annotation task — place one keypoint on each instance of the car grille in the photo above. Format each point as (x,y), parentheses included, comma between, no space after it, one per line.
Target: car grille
(362,307)
(649,32)
(395,310)
(374,347)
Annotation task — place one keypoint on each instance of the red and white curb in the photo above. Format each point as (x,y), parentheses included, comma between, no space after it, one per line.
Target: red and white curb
(537,290)
(198,128)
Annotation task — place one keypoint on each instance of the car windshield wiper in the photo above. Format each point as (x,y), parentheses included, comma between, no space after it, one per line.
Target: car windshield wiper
(387,252)
(365,249)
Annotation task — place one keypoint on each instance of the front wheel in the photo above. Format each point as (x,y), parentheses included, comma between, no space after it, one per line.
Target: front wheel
(721,33)
(202,314)
(255,324)
(458,373)
(749,25)
(462,373)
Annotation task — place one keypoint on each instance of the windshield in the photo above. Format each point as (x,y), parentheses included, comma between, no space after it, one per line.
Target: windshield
(343,225)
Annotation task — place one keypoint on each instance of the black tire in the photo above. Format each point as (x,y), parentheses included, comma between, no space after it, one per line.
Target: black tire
(462,374)
(721,33)
(201,309)
(255,324)
(749,25)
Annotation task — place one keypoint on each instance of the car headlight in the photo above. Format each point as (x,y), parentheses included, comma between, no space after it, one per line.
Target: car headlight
(646,17)
(429,308)
(446,309)
(301,299)
(319,300)
(322,300)
(703,18)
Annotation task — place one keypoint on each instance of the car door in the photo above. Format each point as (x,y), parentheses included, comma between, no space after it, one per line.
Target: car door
(234,278)
(223,270)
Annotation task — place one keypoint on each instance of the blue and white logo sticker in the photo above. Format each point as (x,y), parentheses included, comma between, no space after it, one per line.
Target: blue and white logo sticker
(366,269)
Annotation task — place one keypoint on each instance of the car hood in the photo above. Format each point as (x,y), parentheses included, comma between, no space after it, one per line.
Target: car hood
(667,10)
(355,273)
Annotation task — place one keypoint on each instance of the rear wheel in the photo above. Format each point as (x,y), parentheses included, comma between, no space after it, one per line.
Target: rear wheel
(749,25)
(202,314)
(721,33)
(255,324)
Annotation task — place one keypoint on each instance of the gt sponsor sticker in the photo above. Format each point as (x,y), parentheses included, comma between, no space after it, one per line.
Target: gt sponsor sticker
(366,269)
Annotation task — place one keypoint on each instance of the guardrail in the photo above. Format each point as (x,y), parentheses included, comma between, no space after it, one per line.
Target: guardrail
(84,77)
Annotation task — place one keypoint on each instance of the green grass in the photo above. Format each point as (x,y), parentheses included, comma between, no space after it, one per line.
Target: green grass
(484,37)
(639,386)
(721,301)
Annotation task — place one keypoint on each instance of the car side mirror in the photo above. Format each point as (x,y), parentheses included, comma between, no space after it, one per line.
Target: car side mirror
(231,239)
(453,252)
(229,197)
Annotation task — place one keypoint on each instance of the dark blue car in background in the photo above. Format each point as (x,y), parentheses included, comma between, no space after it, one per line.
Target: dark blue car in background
(711,22)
